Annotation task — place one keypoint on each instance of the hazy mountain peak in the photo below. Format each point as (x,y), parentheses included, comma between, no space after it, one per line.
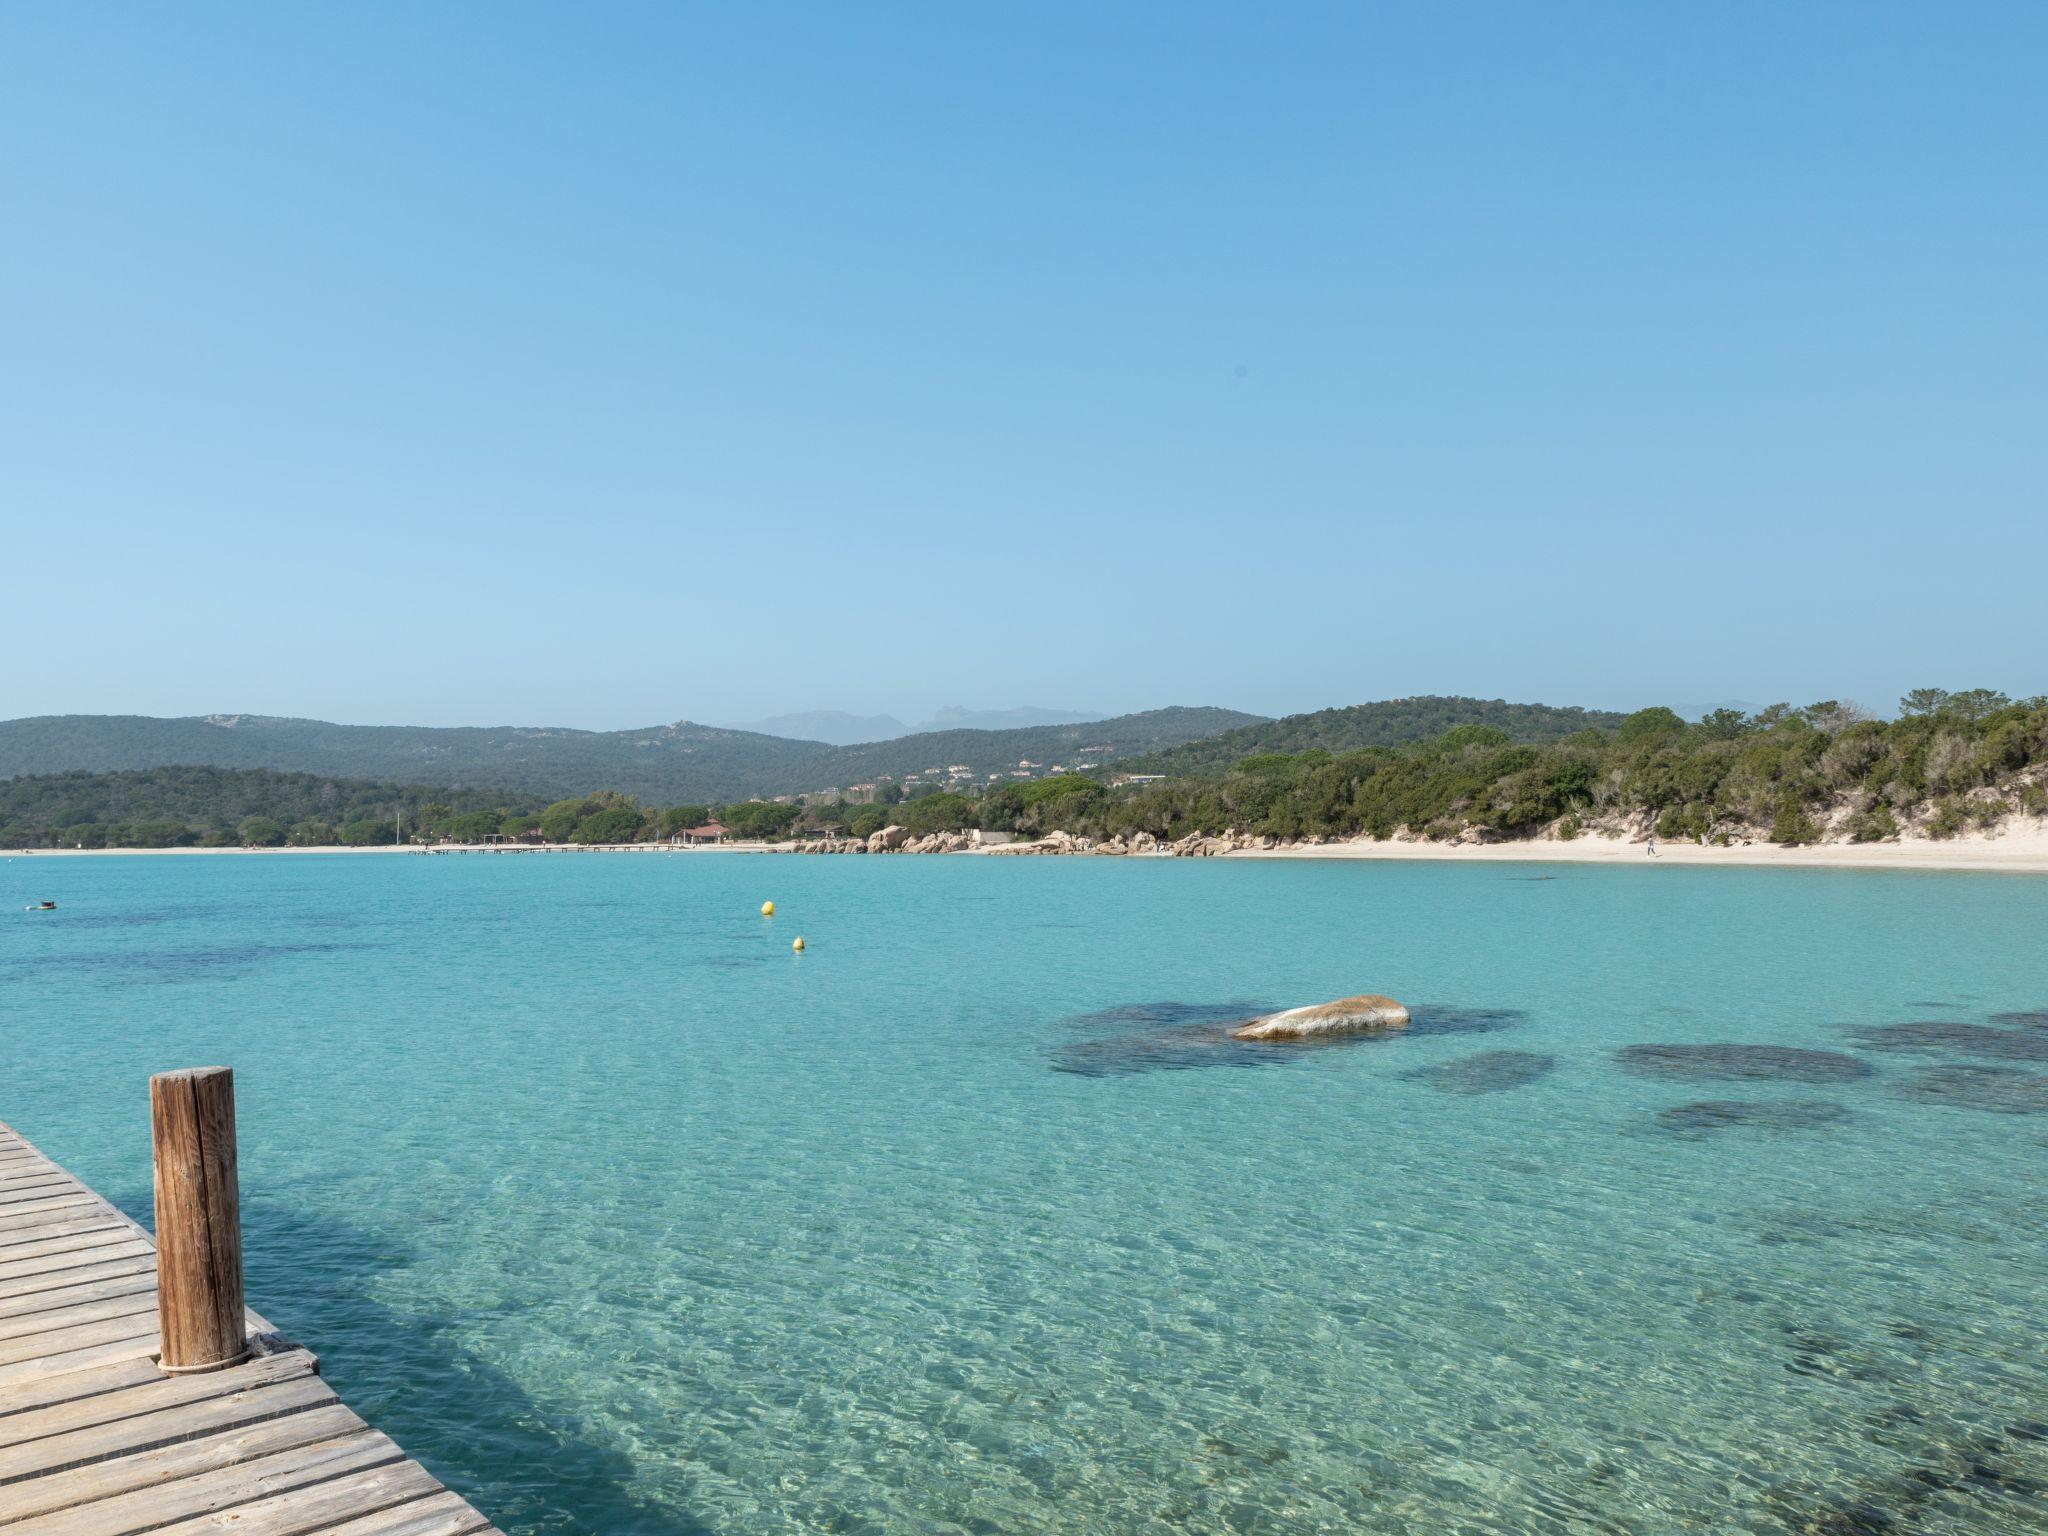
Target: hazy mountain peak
(835,726)
(956,717)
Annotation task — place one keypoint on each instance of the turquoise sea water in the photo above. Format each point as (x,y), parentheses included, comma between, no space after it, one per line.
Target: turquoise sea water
(625,1219)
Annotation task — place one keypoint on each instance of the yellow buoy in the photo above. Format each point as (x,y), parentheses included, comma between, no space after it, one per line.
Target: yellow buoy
(797,945)
(767,909)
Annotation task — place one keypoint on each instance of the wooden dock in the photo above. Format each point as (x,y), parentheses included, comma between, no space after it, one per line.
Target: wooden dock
(96,1439)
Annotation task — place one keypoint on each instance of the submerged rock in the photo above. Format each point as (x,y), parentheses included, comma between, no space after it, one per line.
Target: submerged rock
(1447,1019)
(1998,1090)
(1955,1035)
(1782,1063)
(2028,1018)
(1487,1072)
(1774,1115)
(1368,1013)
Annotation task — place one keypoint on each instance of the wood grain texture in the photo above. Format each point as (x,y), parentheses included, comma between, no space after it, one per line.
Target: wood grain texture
(198,1219)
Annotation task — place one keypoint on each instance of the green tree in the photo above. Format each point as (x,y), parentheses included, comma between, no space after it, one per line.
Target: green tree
(1648,724)
(1923,701)
(558,821)
(618,824)
(758,818)
(471,826)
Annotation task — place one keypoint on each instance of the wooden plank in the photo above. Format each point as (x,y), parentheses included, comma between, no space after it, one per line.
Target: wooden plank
(128,1287)
(22,1227)
(171,1463)
(78,1336)
(141,1281)
(60,1206)
(31,1208)
(33,1178)
(23,1174)
(32,1394)
(367,1501)
(100,1445)
(38,1188)
(445,1514)
(36,1324)
(149,1393)
(154,1507)
(60,1224)
(13,1260)
(141,1347)
(74,1336)
(28,1269)
(27,1170)
(140,1263)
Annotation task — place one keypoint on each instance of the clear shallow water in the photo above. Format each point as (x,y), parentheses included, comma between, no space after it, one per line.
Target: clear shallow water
(624,1219)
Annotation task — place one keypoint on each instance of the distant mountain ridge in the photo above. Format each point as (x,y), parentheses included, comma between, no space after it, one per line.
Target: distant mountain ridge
(840,729)
(1387,723)
(668,764)
(952,717)
(835,727)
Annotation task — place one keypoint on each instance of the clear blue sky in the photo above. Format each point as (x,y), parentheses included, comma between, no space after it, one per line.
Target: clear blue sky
(470,363)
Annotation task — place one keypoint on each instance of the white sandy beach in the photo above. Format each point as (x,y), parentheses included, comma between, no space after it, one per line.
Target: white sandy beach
(2021,847)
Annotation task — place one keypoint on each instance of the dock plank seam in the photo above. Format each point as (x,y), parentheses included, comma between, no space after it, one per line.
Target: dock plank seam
(162,1442)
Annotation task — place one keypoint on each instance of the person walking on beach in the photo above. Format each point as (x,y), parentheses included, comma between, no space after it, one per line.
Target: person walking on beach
(1653,844)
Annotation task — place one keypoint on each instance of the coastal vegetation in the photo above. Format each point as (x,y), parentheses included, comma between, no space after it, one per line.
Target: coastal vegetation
(238,808)
(1947,763)
(1388,723)
(225,808)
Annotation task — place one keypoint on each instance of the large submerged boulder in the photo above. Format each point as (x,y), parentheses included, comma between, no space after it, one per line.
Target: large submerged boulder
(1367,1014)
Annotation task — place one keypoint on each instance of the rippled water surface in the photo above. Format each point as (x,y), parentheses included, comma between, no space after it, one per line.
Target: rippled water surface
(972,1218)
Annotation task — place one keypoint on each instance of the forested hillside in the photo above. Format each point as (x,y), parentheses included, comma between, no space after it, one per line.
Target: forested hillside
(1949,763)
(179,807)
(1100,742)
(1389,723)
(667,763)
(237,807)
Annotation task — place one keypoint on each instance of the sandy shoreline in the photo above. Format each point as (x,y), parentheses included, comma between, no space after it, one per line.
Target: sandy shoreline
(2020,848)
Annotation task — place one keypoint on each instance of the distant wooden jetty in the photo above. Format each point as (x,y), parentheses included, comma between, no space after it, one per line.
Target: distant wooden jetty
(136,1391)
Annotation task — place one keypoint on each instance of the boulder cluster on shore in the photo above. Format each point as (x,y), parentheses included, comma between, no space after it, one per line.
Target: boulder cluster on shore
(1195,845)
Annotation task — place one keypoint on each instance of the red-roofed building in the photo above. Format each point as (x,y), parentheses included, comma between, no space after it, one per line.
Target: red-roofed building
(710,832)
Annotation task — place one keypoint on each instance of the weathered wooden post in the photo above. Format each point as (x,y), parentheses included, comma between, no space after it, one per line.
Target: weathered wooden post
(198,1220)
